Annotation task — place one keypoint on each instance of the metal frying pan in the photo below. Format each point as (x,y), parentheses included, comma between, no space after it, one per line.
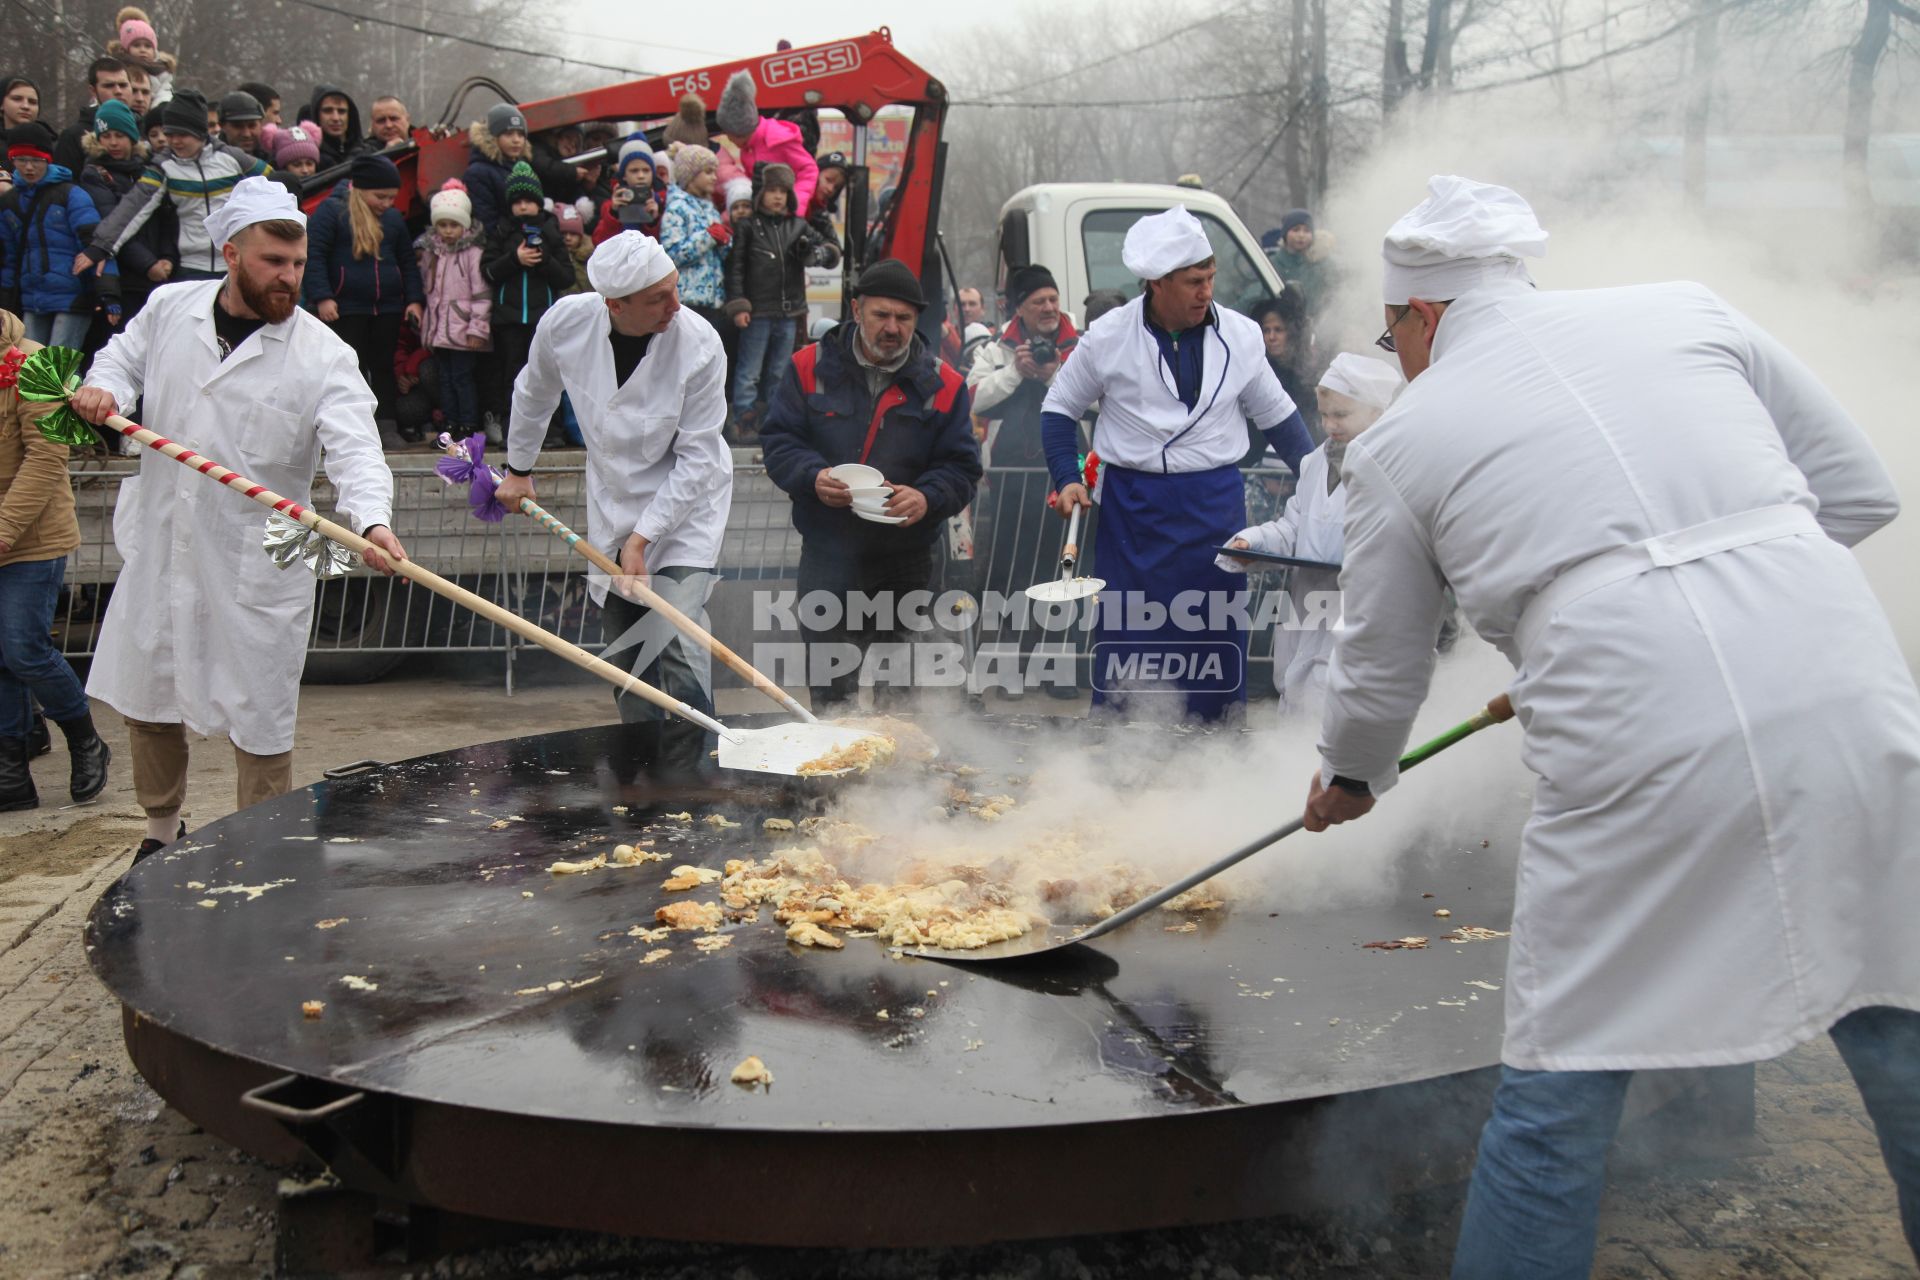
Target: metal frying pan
(1268,557)
(1067,587)
(1050,939)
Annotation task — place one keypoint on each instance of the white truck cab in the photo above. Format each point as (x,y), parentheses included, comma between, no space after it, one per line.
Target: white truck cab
(1075,230)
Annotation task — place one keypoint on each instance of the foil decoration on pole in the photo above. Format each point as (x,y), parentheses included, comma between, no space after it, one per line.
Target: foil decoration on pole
(466,463)
(288,542)
(53,374)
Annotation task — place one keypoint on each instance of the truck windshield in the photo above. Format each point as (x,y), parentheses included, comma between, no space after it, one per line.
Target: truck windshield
(1239,284)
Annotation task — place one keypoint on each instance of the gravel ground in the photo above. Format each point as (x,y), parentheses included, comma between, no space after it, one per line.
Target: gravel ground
(100,1178)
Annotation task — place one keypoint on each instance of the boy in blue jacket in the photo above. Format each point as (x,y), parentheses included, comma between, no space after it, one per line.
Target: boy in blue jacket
(44,224)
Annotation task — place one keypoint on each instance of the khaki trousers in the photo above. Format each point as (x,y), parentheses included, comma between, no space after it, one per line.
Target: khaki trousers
(160,770)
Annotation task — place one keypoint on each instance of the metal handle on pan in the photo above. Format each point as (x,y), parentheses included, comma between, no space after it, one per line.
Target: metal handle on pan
(259,1099)
(358,766)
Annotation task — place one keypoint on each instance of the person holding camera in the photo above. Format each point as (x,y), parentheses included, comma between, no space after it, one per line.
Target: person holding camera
(639,197)
(528,265)
(1014,545)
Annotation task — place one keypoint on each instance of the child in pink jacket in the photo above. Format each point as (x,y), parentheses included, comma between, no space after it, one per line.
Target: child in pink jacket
(764,140)
(459,303)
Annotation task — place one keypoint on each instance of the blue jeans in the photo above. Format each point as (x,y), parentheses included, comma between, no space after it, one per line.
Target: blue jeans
(58,328)
(765,346)
(29,664)
(1534,1206)
(459,388)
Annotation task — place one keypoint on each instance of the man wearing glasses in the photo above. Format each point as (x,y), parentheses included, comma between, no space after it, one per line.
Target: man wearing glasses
(1645,502)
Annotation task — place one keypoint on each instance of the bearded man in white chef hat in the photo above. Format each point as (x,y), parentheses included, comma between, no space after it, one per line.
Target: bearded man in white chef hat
(203,631)
(646,378)
(1353,393)
(1645,502)
(1178,378)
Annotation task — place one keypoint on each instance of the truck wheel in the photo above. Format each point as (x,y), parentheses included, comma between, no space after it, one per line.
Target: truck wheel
(355,619)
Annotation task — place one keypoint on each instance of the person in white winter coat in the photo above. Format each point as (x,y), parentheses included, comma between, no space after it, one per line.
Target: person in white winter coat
(1645,502)
(204,632)
(1353,393)
(647,379)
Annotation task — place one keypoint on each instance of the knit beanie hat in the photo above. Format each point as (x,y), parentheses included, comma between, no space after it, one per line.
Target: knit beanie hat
(185,112)
(690,161)
(295,143)
(137,29)
(689,124)
(1295,218)
(115,116)
(571,223)
(1026,281)
(156,116)
(736,115)
(505,118)
(451,203)
(34,138)
(634,146)
(739,191)
(890,278)
(523,183)
(374,172)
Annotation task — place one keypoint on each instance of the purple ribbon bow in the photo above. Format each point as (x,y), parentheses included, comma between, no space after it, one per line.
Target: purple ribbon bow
(466,463)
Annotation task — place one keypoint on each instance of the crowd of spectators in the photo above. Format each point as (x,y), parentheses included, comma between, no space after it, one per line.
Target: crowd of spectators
(440,302)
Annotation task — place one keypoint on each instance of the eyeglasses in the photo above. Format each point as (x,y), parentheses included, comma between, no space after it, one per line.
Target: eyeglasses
(1385,340)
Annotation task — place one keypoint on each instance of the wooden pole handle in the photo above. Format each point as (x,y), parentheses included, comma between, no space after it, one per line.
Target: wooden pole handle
(415,573)
(655,601)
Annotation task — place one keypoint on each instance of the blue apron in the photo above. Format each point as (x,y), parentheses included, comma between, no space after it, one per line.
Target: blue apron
(1156,539)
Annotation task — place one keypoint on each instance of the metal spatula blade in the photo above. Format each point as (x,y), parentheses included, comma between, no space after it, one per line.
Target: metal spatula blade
(1065,590)
(783,748)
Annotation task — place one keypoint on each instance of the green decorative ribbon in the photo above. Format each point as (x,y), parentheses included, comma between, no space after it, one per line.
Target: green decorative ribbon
(53,374)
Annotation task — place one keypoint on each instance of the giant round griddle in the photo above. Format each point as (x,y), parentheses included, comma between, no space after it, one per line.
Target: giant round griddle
(492,1044)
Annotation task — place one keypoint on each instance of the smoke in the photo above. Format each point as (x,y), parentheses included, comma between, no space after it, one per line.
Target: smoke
(1811,278)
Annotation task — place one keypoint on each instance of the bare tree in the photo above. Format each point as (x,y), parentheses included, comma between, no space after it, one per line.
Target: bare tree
(1876,30)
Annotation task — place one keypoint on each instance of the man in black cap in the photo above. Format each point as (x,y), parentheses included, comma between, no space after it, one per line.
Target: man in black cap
(241,119)
(869,393)
(1014,547)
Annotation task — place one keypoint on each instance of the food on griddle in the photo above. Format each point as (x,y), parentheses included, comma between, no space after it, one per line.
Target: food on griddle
(1198,898)
(626,855)
(1190,926)
(809,934)
(689,878)
(1473,933)
(358,983)
(777,824)
(752,1071)
(910,741)
(719,821)
(990,809)
(860,755)
(677,817)
(689,915)
(713,942)
(1442,913)
(656,955)
(311,1009)
(334,923)
(1397,944)
(565,868)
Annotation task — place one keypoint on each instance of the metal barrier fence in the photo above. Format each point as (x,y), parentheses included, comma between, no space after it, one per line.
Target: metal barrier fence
(365,624)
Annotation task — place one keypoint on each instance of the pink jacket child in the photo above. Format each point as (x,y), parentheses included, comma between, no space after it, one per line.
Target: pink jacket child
(459,300)
(762,139)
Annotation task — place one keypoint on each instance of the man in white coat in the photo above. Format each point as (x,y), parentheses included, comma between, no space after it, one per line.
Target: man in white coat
(647,381)
(1645,502)
(1178,378)
(1353,393)
(203,631)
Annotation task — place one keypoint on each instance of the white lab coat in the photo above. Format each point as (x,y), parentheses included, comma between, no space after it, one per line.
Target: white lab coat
(202,629)
(1721,860)
(1309,528)
(656,462)
(1144,426)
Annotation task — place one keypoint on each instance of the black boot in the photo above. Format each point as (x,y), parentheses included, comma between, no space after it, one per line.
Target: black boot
(39,741)
(149,847)
(89,753)
(16,782)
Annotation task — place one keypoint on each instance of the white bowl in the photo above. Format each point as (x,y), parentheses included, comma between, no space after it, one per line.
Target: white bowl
(879,518)
(870,492)
(870,504)
(857,475)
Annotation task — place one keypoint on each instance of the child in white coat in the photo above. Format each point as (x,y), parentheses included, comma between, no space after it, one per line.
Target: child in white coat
(1353,393)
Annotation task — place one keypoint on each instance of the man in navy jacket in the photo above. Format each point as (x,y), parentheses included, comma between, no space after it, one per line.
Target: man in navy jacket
(869,392)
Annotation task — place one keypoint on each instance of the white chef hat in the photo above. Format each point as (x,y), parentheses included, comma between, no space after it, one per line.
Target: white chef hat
(1371,382)
(1158,246)
(1464,234)
(252,200)
(627,263)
